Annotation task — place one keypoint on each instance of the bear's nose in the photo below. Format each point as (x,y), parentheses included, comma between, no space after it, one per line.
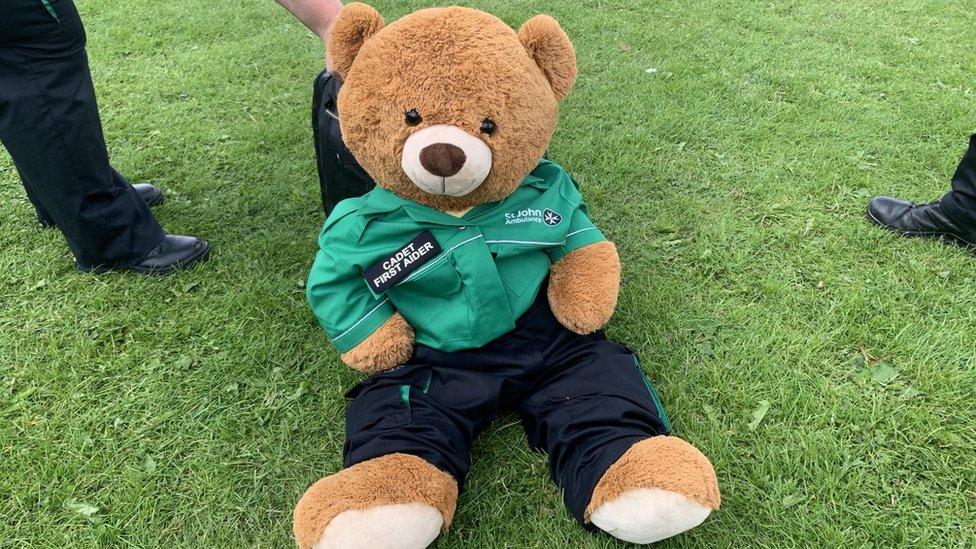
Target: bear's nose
(442,159)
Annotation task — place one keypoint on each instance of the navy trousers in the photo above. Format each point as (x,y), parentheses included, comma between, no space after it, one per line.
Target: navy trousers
(960,202)
(582,399)
(340,175)
(50,126)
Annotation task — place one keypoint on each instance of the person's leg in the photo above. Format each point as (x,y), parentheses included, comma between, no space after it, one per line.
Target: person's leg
(148,192)
(960,203)
(600,421)
(340,175)
(953,217)
(408,434)
(43,218)
(50,126)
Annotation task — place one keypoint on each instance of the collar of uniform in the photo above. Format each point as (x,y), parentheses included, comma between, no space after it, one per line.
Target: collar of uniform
(487,208)
(380,201)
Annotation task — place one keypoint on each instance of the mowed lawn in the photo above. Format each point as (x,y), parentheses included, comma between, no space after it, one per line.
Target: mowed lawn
(828,368)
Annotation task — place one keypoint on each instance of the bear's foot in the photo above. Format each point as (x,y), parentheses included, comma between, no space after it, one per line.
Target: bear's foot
(397,500)
(410,525)
(660,487)
(647,515)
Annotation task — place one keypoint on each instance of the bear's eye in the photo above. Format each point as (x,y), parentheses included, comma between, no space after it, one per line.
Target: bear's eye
(488,126)
(413,117)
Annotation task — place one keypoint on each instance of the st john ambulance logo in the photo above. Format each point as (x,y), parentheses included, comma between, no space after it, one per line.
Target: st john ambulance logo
(533,215)
(551,218)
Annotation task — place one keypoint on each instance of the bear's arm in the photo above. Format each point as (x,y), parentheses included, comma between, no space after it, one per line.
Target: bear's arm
(389,346)
(367,330)
(584,279)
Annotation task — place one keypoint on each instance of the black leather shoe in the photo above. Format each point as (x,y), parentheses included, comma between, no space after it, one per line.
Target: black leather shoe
(927,220)
(174,253)
(148,192)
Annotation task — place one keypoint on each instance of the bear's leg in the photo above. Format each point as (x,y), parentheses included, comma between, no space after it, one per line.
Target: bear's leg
(407,450)
(600,421)
(397,500)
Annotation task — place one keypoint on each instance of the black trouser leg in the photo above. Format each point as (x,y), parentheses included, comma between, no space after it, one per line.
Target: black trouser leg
(340,175)
(433,412)
(50,126)
(43,217)
(960,202)
(594,404)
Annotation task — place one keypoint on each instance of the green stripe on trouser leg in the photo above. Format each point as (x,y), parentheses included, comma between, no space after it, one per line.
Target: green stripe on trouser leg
(654,396)
(405,395)
(50,10)
(405,390)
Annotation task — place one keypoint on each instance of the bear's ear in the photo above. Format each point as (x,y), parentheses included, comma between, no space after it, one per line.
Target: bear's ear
(551,49)
(352,27)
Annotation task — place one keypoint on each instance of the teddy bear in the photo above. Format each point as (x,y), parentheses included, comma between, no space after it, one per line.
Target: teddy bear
(471,282)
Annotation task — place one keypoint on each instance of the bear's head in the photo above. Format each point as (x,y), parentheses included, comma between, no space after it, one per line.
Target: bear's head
(449,107)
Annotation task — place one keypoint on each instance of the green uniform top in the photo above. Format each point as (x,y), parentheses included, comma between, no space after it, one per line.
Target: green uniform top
(491,264)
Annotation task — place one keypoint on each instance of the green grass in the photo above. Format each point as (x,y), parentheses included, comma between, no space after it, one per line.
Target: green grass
(194,410)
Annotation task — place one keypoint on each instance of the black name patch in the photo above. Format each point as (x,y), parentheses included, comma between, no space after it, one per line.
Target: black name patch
(390,271)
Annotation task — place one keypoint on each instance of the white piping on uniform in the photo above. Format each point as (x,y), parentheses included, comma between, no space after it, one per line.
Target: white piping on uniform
(360,321)
(439,259)
(561,243)
(524,242)
(580,231)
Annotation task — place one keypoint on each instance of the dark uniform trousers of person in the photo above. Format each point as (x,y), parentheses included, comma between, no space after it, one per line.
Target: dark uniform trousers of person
(960,203)
(50,126)
(583,399)
(340,175)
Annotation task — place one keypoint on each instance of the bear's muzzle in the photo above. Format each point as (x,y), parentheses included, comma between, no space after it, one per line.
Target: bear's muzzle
(443,159)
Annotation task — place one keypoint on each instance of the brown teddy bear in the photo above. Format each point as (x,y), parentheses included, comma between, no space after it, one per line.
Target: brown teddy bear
(471,282)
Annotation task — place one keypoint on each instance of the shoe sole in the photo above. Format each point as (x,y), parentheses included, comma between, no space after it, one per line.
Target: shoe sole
(945,237)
